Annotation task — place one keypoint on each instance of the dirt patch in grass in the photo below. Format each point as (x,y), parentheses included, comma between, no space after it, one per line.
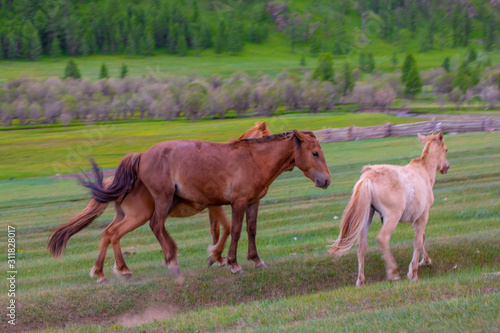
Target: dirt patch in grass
(158,312)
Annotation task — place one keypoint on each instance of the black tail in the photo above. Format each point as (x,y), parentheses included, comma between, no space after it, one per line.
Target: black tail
(123,183)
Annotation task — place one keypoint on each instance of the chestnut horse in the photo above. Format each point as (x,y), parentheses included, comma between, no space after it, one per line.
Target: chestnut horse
(397,193)
(204,173)
(139,205)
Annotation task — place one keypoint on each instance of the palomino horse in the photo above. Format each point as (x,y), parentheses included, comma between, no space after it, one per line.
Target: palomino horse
(397,193)
(138,205)
(204,173)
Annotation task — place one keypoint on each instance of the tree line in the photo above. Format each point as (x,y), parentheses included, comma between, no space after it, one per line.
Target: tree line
(30,29)
(55,27)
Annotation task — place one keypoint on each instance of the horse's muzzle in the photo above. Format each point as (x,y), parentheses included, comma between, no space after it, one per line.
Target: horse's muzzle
(322,183)
(445,169)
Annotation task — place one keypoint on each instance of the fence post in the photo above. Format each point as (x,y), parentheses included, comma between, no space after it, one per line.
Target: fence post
(387,130)
(349,133)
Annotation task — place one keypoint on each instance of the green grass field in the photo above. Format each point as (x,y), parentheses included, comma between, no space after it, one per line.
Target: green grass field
(271,57)
(303,290)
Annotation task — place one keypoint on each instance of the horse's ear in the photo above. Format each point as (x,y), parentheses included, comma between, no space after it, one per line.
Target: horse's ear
(422,138)
(263,126)
(440,136)
(299,135)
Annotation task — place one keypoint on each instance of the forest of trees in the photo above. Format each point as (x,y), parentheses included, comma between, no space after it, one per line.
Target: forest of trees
(30,29)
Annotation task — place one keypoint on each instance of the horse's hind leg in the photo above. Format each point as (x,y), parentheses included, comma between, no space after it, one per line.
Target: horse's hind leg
(383,238)
(419,227)
(218,216)
(97,269)
(252,211)
(362,245)
(129,223)
(426,260)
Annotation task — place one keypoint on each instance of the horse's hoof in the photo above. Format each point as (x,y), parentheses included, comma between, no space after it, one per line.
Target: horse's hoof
(360,284)
(425,262)
(127,276)
(102,279)
(261,265)
(92,272)
(211,260)
(393,277)
(223,263)
(237,269)
(174,269)
(412,277)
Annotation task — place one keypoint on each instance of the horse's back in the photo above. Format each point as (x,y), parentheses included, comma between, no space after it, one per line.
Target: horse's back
(397,189)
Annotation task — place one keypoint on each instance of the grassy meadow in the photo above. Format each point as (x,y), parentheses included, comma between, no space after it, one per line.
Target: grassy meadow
(271,57)
(303,290)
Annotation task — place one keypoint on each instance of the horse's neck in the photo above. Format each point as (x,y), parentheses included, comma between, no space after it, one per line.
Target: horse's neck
(427,165)
(274,157)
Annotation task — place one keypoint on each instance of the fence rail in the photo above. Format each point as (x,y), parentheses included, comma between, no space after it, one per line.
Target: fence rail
(424,127)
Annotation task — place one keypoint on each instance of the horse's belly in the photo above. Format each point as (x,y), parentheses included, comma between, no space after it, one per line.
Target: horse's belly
(186,209)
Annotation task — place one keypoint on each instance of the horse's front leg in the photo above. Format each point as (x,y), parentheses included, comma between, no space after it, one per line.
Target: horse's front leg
(252,211)
(238,211)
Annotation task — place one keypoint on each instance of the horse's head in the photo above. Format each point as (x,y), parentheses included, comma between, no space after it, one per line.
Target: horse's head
(437,140)
(258,131)
(310,159)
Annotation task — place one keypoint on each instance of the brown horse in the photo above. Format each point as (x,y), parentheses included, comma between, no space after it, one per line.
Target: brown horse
(204,173)
(397,193)
(139,206)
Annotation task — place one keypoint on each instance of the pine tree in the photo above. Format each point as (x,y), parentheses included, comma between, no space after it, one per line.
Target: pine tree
(205,36)
(71,70)
(316,46)
(131,49)
(347,79)
(196,12)
(172,36)
(181,47)
(220,38)
(149,38)
(31,44)
(124,71)
(303,62)
(394,59)
(234,43)
(55,48)
(363,62)
(489,32)
(324,70)
(467,30)
(104,72)
(13,45)
(370,63)
(462,79)
(413,85)
(407,66)
(446,64)
(471,55)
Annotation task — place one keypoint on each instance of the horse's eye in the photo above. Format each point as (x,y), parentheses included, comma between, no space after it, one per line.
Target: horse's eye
(446,149)
(315,154)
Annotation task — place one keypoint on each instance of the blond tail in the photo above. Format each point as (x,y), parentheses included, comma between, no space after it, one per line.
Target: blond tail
(355,216)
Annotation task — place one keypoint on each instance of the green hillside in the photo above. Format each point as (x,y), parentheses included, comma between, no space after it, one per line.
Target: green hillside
(181,27)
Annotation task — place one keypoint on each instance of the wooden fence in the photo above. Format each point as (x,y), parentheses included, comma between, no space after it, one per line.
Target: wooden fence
(424,127)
